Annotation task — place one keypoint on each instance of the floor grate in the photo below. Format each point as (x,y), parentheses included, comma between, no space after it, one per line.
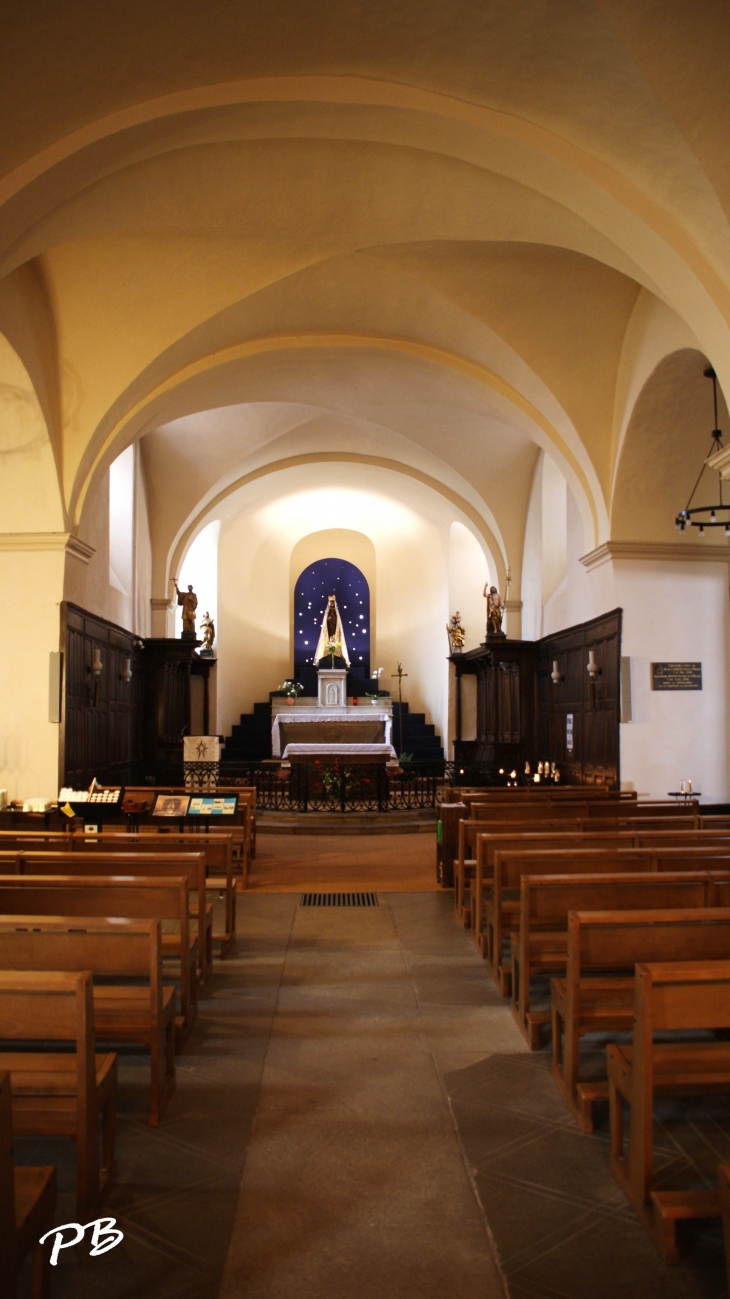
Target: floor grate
(339,900)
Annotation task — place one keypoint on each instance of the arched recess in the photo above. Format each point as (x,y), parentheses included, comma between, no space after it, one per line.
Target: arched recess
(30,499)
(666,442)
(349,544)
(318,580)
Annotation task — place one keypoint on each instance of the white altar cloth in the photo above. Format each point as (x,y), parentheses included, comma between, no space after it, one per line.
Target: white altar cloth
(355,714)
(337,750)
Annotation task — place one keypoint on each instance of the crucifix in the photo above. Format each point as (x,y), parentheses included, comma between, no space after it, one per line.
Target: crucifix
(400,674)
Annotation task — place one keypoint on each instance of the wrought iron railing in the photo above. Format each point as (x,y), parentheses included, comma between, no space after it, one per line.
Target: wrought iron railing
(336,786)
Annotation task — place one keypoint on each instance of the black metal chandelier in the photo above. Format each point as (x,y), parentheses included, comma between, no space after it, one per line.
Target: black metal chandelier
(707,516)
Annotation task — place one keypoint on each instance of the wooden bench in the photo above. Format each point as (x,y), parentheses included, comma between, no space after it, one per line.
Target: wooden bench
(61,1094)
(134,898)
(218,849)
(687,844)
(27,1207)
(540,946)
(116,950)
(689,996)
(468,834)
(502,913)
(597,993)
(191,865)
(538,838)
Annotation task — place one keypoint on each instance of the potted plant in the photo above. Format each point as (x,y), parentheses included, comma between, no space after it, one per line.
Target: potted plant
(292,690)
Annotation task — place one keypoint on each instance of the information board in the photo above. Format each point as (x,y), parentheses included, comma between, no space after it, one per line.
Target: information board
(676,676)
(202,806)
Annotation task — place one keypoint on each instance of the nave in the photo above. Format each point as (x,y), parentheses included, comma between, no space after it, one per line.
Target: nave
(356,1113)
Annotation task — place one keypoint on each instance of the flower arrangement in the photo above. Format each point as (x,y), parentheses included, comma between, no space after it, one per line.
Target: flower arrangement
(334,649)
(374,676)
(292,689)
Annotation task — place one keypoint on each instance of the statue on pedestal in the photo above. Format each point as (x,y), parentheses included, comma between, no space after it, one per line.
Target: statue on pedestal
(189,602)
(331,637)
(495,612)
(455,633)
(207,626)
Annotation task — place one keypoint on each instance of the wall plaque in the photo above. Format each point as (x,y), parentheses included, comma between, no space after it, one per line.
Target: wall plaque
(569,732)
(676,676)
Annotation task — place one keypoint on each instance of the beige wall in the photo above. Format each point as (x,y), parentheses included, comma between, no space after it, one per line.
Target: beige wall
(266,542)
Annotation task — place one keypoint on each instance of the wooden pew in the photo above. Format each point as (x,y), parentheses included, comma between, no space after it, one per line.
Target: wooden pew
(118,949)
(465,862)
(502,916)
(165,865)
(242,826)
(597,993)
(61,1094)
(132,897)
(218,849)
(683,997)
(27,1206)
(685,843)
(540,946)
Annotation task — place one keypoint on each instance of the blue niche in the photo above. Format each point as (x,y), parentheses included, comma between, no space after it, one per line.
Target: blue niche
(319,580)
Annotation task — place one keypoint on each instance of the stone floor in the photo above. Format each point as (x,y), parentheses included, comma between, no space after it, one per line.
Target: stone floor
(356,1115)
(285,863)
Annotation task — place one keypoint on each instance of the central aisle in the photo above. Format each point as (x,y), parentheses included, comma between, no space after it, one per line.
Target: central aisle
(354,1183)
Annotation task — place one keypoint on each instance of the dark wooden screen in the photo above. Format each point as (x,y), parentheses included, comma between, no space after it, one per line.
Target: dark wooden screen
(100,719)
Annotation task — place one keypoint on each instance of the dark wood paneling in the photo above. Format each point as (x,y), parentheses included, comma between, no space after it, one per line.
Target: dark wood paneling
(99,720)
(596,708)
(521,714)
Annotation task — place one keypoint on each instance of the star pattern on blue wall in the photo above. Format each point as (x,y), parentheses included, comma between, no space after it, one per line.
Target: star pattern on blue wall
(318,581)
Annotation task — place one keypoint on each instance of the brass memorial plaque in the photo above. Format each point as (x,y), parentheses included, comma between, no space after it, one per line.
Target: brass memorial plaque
(676,676)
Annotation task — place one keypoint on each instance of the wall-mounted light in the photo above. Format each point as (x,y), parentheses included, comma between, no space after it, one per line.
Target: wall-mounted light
(593,668)
(555,676)
(96,663)
(126,674)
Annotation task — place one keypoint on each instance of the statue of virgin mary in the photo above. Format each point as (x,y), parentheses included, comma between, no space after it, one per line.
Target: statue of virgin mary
(331,634)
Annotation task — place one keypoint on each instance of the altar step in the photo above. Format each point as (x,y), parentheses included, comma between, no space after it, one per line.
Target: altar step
(422,821)
(250,738)
(418,736)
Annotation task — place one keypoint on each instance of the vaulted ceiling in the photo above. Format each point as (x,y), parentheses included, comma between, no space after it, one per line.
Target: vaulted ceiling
(438,236)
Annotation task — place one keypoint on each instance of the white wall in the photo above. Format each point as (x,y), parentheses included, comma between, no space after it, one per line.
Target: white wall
(675,613)
(468,575)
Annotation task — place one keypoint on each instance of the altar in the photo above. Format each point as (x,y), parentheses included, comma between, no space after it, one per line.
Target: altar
(353,731)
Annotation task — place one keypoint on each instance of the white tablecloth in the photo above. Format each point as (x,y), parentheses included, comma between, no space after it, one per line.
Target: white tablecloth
(337,750)
(359,713)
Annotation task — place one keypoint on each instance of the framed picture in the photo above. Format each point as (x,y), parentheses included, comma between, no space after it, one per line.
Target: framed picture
(138,801)
(209,806)
(171,805)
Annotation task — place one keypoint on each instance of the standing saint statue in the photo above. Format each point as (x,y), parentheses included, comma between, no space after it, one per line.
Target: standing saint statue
(495,610)
(207,626)
(189,601)
(331,637)
(455,633)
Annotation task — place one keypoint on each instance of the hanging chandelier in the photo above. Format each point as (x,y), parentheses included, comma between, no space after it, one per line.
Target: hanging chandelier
(707,516)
